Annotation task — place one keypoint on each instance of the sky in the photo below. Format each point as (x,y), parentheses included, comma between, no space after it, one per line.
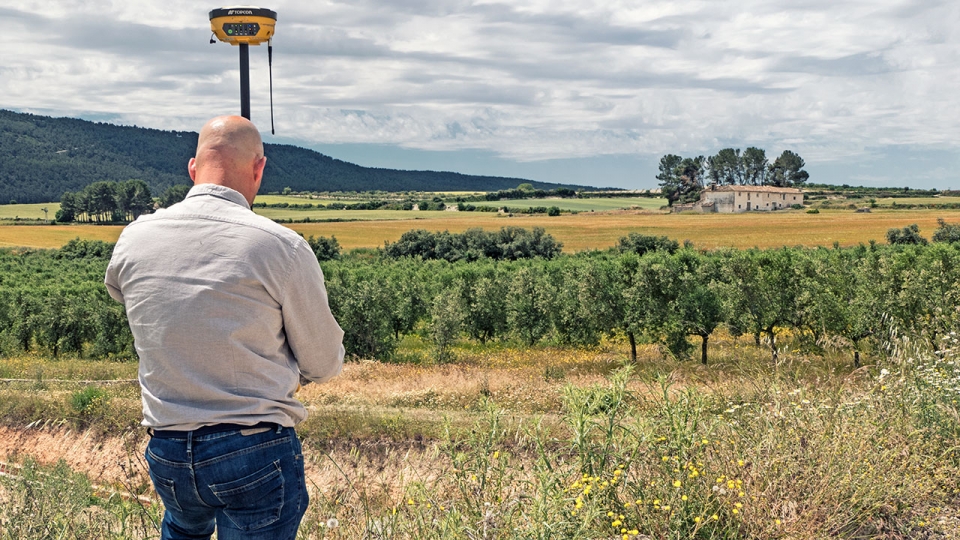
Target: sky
(568,91)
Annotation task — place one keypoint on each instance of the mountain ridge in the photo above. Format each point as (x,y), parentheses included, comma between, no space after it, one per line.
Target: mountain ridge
(41,157)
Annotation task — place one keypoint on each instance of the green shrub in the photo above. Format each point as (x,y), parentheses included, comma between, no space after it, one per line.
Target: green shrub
(642,243)
(326,249)
(906,236)
(88,400)
(946,232)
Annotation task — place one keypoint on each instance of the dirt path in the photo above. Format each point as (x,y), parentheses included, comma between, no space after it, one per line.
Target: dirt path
(117,461)
(105,460)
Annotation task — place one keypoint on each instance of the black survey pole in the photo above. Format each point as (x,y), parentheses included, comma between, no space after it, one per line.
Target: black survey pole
(245,81)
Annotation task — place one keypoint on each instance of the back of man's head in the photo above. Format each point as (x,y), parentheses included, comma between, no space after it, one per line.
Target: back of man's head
(229,153)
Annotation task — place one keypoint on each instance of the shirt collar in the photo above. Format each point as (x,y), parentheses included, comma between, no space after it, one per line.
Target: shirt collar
(219,191)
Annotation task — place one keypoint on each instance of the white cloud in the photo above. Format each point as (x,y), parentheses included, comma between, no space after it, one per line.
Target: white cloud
(527,80)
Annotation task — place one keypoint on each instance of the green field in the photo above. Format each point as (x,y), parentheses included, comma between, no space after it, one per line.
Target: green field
(918,200)
(349,215)
(294,199)
(581,205)
(28,211)
(574,205)
(884,202)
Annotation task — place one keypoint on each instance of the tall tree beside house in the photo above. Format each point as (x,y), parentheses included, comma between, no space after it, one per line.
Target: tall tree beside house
(715,173)
(681,179)
(754,161)
(787,170)
(726,167)
(669,180)
(691,173)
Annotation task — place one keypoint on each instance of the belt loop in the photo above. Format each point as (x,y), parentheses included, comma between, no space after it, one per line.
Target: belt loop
(279,428)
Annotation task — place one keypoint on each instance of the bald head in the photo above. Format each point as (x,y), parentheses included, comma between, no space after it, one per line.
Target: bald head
(230,154)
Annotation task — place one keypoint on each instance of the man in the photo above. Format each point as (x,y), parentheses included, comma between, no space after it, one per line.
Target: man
(228,312)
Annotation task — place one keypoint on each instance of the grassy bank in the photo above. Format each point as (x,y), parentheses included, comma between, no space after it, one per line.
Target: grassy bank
(565,443)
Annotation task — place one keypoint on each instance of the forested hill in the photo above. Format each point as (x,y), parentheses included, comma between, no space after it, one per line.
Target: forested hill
(41,157)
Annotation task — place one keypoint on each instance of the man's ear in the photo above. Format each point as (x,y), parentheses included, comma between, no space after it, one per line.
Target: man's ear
(258,170)
(192,169)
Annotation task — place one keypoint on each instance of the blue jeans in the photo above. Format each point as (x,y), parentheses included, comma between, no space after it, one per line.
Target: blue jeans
(250,486)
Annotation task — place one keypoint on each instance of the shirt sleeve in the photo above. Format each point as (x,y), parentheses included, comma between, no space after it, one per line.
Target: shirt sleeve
(313,335)
(112,283)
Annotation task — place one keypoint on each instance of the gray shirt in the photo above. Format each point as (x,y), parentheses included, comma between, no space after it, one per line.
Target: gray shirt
(227,310)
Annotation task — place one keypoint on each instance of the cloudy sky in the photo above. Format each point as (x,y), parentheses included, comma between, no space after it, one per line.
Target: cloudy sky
(574,91)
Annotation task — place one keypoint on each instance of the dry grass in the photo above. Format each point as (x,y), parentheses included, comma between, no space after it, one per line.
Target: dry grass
(602,230)
(54,236)
(506,441)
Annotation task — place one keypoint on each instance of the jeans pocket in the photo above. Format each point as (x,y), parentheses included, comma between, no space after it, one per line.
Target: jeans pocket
(254,501)
(165,487)
(167,491)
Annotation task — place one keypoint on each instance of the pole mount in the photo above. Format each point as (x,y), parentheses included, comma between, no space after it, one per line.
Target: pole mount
(244,26)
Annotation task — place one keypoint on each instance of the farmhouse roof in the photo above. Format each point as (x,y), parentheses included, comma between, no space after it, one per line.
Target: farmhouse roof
(756,189)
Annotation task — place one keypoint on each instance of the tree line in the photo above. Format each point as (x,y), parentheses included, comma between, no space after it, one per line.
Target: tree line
(115,202)
(646,290)
(509,243)
(670,295)
(682,179)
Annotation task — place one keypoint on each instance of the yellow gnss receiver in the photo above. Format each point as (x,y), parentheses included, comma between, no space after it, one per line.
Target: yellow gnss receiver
(245,26)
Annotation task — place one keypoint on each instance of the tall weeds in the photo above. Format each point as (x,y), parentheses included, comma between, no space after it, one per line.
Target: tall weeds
(873,453)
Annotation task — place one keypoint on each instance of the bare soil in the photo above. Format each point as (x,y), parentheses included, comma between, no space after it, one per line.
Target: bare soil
(117,461)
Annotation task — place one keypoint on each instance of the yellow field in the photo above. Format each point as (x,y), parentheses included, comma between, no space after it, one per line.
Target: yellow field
(54,236)
(577,232)
(599,231)
(918,200)
(582,205)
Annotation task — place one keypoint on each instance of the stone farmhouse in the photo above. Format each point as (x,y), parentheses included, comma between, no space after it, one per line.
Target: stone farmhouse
(735,199)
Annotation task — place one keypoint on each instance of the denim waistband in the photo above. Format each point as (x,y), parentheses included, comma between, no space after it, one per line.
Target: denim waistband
(207,430)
